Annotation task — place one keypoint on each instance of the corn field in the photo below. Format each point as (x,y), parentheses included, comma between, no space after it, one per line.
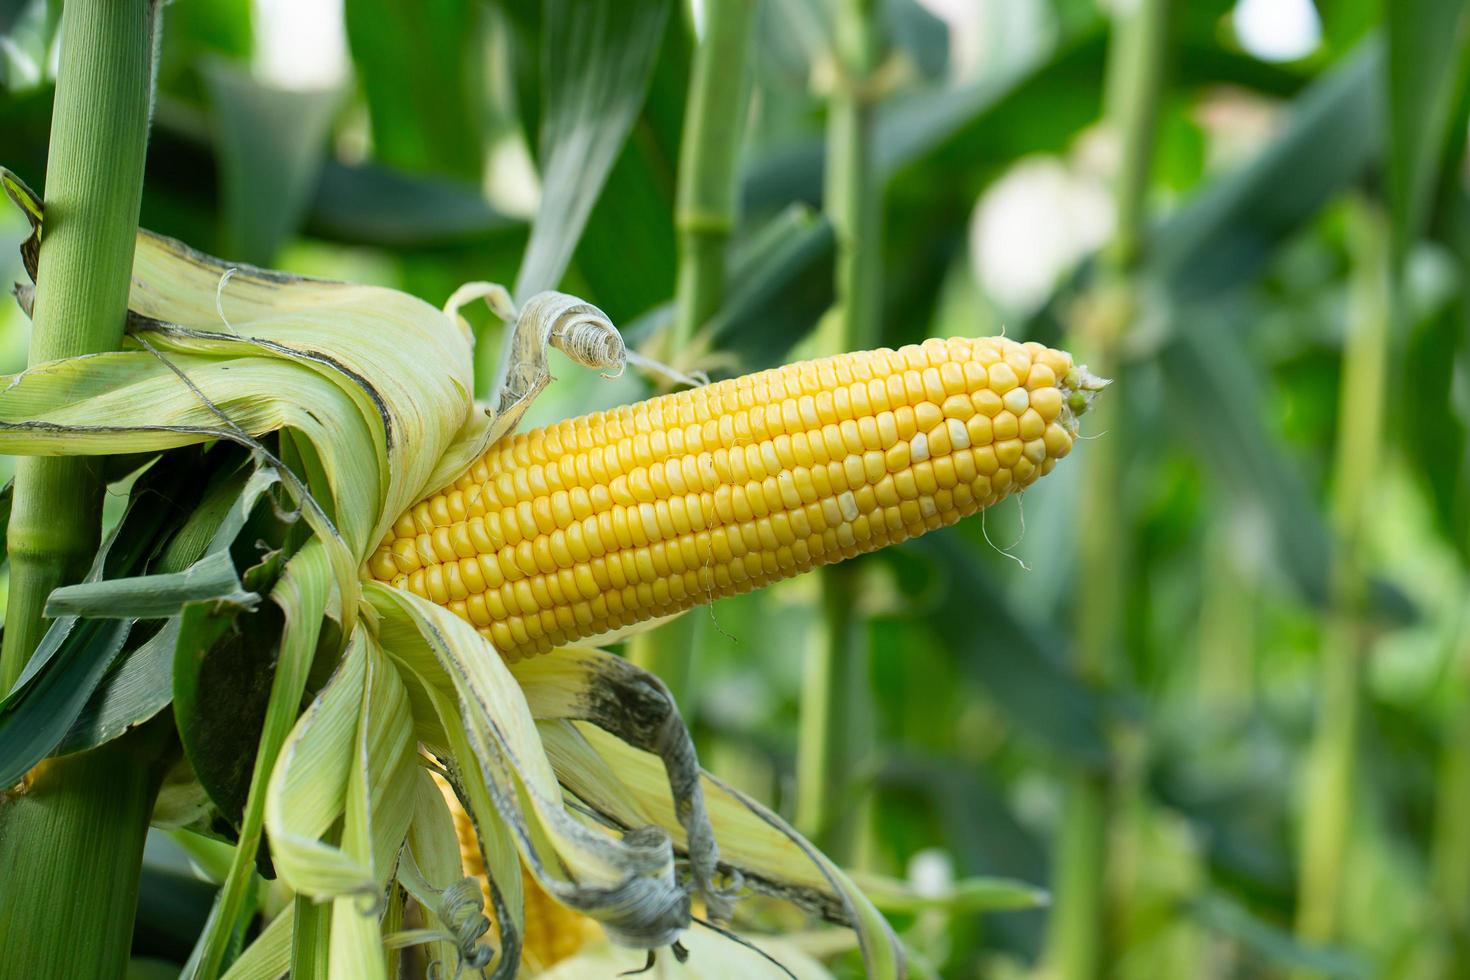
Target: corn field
(735,488)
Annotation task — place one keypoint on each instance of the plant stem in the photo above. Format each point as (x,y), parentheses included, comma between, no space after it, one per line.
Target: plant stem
(1449,852)
(1328,787)
(94,184)
(1077,944)
(835,724)
(71,844)
(714,121)
(850,193)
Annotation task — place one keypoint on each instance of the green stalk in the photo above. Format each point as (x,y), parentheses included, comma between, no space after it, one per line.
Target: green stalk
(835,723)
(71,844)
(714,121)
(1077,943)
(1449,864)
(94,184)
(1226,626)
(1329,779)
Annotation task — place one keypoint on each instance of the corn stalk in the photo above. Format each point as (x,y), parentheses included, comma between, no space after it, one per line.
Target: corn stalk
(714,121)
(1077,941)
(1326,813)
(833,729)
(1450,848)
(72,842)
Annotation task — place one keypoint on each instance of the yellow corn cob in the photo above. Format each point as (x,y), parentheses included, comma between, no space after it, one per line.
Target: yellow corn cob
(602,521)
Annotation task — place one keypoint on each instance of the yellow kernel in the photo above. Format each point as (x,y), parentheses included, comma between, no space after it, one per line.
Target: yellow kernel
(987,403)
(1031,425)
(907,424)
(1002,378)
(927,415)
(1040,376)
(381,564)
(944,472)
(925,479)
(985,461)
(934,388)
(979,430)
(875,466)
(885,492)
(939,442)
(898,457)
(953,377)
(1020,362)
(1005,426)
(958,407)
(1047,402)
(1058,441)
(1007,452)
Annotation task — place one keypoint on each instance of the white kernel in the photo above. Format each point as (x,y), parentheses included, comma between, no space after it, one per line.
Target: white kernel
(959,436)
(1017,400)
(927,507)
(848,503)
(919,448)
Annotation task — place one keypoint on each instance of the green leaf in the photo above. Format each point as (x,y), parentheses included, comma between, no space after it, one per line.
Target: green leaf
(780,284)
(598,56)
(212,578)
(271,143)
(27,32)
(36,714)
(964,897)
(302,595)
(221,687)
(140,687)
(1277,947)
(1017,660)
(1426,70)
(1223,237)
(368,204)
(626,255)
(75,654)
(420,68)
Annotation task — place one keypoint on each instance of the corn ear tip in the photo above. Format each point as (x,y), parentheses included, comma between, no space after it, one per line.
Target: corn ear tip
(1081,386)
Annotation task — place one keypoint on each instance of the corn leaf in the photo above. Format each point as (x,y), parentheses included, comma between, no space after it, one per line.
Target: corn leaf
(434,848)
(268,957)
(302,594)
(770,855)
(627,883)
(1044,699)
(270,143)
(1425,73)
(964,897)
(597,60)
(308,789)
(427,119)
(139,688)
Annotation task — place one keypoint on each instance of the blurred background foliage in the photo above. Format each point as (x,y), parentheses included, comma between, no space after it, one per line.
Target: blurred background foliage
(1276,731)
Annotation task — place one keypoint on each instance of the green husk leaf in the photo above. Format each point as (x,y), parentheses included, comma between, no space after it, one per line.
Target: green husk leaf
(763,848)
(626,883)
(268,957)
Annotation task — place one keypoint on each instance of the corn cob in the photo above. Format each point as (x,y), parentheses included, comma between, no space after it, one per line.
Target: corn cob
(599,522)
